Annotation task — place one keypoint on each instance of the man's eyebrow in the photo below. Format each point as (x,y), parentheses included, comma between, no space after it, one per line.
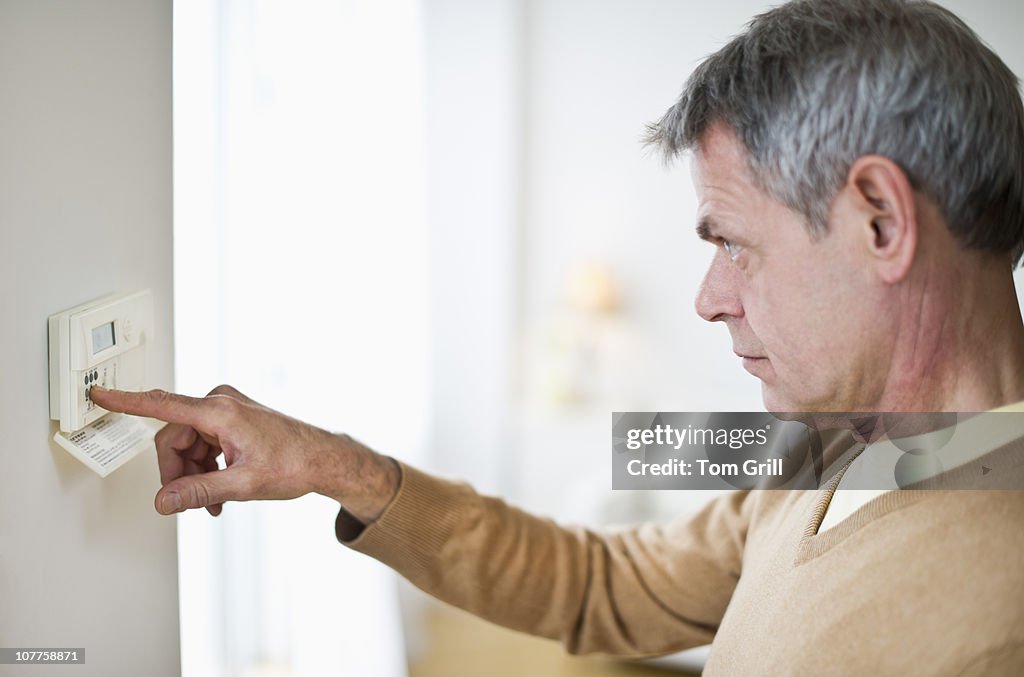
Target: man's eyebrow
(706,229)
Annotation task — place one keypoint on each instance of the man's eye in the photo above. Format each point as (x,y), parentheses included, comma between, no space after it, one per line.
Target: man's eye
(732,249)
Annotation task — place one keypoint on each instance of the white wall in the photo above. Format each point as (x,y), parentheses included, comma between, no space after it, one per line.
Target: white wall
(473,60)
(595,72)
(85,209)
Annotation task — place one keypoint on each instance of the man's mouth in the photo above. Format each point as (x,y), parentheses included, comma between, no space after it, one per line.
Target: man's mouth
(746,356)
(753,363)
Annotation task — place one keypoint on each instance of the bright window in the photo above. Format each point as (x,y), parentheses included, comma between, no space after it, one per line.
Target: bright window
(300,278)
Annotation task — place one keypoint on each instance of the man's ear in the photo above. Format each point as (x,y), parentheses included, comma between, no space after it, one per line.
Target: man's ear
(882,203)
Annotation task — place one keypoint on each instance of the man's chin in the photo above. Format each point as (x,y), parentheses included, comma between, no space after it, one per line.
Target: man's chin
(785,406)
(779,406)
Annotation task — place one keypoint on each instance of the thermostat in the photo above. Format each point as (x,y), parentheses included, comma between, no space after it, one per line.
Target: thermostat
(98,343)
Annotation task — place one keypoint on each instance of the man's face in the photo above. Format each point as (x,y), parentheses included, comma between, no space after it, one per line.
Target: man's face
(802,313)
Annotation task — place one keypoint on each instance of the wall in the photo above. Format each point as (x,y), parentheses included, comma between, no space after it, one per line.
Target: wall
(473,131)
(85,210)
(595,72)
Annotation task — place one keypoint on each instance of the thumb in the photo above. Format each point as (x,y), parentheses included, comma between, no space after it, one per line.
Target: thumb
(199,491)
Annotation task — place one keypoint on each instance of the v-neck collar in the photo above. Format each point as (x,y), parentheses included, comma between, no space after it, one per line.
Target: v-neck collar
(814,543)
(971,475)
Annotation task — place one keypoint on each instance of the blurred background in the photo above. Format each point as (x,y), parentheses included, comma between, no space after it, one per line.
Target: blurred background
(431,224)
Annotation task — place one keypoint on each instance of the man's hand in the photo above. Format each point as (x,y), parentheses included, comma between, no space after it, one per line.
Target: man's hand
(268,455)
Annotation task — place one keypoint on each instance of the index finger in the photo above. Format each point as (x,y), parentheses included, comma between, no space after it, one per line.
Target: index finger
(159,404)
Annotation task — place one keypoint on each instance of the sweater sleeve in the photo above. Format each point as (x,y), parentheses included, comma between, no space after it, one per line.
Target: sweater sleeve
(642,591)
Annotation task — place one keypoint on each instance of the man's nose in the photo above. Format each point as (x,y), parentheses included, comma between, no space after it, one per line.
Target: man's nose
(718,296)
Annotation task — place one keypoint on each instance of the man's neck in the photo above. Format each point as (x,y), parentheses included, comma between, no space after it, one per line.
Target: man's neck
(965,352)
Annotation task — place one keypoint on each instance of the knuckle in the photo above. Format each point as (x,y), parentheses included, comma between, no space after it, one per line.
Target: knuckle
(161,436)
(228,407)
(158,396)
(224,389)
(234,411)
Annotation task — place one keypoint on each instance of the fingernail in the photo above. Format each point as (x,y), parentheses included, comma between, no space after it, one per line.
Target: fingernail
(171,503)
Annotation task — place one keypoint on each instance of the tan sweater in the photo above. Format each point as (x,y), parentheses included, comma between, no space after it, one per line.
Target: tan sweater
(913,582)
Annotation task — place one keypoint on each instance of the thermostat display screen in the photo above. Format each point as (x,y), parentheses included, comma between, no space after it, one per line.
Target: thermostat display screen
(102,337)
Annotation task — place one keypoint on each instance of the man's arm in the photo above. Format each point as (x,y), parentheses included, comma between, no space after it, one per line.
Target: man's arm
(641,591)
(632,592)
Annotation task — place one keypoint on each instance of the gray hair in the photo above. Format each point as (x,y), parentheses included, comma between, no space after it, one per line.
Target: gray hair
(813,85)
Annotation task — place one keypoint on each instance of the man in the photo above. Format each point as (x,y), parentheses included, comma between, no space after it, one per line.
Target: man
(860,167)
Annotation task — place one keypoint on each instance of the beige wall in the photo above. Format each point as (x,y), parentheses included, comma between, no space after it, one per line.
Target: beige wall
(85,209)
